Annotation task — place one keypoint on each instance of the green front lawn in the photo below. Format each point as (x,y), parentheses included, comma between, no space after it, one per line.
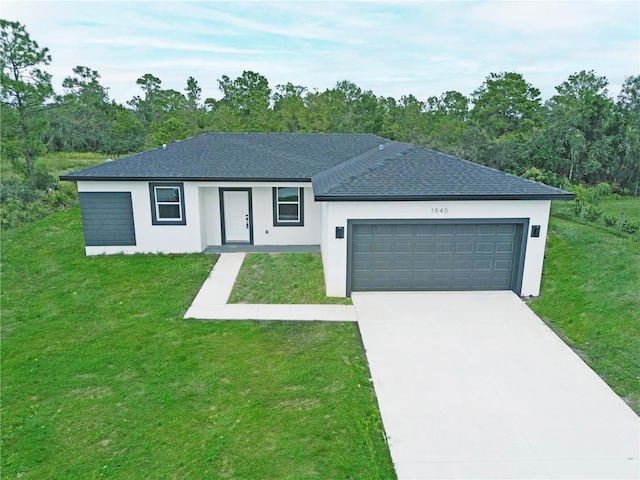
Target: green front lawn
(282,278)
(591,296)
(101,376)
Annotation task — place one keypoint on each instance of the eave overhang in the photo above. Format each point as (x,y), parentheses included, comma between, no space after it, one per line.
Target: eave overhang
(431,198)
(81,178)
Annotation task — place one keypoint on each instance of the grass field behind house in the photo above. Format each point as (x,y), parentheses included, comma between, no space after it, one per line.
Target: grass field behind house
(58,163)
(591,296)
(287,278)
(611,207)
(630,206)
(101,376)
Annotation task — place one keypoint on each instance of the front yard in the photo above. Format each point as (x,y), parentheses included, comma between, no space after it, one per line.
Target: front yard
(591,298)
(101,376)
(282,278)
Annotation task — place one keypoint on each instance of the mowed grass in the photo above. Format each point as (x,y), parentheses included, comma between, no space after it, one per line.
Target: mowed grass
(612,207)
(101,376)
(629,206)
(591,296)
(277,278)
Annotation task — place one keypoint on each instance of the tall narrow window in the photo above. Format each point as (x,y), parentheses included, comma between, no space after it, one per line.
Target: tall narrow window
(288,206)
(167,204)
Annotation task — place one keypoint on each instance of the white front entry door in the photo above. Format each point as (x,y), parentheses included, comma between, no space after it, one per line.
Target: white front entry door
(237,218)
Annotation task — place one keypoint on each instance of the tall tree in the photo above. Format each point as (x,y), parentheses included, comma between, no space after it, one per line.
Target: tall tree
(126,133)
(446,121)
(158,105)
(361,112)
(80,123)
(581,126)
(250,96)
(25,89)
(289,108)
(193,92)
(506,103)
(627,167)
(346,108)
(321,112)
(508,109)
(452,104)
(147,107)
(168,131)
(193,106)
(404,120)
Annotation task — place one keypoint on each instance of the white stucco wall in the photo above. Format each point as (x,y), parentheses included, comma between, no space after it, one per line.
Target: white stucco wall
(264,233)
(336,214)
(202,211)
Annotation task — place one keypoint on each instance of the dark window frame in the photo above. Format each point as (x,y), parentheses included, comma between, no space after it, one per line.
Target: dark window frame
(288,223)
(154,204)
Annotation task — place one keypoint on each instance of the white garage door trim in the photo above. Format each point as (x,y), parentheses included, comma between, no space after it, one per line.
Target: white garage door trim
(519,254)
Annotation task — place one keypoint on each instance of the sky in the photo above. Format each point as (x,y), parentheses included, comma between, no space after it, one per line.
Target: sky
(424,48)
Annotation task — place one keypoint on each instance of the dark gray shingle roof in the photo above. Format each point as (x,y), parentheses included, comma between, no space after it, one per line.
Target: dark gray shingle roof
(340,166)
(229,156)
(411,172)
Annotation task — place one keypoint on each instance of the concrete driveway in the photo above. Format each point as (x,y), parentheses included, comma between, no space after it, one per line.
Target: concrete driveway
(475,385)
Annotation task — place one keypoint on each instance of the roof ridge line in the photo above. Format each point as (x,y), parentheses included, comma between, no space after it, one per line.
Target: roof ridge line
(368,156)
(371,168)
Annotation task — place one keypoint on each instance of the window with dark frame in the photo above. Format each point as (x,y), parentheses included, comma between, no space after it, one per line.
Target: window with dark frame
(167,204)
(288,206)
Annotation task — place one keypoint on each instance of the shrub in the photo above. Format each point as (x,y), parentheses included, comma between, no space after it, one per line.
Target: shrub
(20,203)
(63,198)
(630,227)
(585,204)
(534,174)
(577,208)
(541,176)
(610,221)
(592,213)
(14,212)
(565,184)
(18,189)
(43,180)
(602,189)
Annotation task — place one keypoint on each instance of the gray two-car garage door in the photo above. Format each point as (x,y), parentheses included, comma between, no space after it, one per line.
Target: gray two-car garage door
(435,255)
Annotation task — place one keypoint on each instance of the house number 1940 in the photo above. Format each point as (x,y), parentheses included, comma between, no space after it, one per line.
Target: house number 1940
(439,210)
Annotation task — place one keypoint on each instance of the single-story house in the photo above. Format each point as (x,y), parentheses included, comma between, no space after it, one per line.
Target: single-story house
(386,215)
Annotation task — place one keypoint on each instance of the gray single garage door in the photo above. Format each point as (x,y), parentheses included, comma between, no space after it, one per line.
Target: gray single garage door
(107,219)
(435,255)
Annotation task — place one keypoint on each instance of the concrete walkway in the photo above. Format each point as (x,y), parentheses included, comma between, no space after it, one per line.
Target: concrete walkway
(211,301)
(470,385)
(473,385)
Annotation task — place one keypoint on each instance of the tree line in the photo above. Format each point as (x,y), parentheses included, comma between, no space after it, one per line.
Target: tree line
(581,135)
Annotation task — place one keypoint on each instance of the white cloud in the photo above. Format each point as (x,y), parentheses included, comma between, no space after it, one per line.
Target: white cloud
(546,16)
(156,44)
(392,48)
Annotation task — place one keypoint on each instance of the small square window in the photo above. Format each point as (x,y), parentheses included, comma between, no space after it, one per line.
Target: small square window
(288,206)
(167,204)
